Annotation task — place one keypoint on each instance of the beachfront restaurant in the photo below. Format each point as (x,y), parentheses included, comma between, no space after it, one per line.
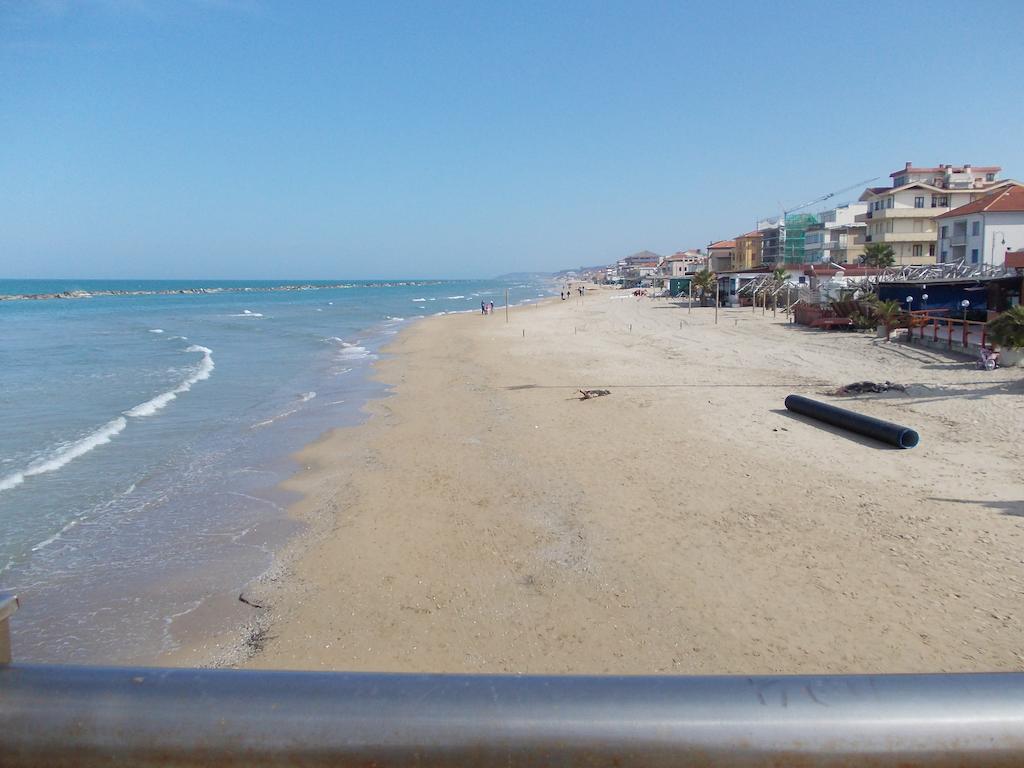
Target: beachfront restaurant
(981,299)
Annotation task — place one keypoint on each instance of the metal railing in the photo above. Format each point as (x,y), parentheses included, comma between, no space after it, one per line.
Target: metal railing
(938,326)
(91,716)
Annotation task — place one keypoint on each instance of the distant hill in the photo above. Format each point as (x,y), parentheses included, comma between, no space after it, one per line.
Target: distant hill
(524,275)
(638,256)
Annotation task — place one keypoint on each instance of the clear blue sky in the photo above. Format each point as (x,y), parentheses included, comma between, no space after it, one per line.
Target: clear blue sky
(252,139)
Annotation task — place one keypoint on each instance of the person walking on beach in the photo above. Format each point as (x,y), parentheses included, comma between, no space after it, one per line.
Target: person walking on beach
(483,307)
(490,308)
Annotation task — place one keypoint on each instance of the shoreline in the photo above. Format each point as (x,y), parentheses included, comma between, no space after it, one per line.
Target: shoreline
(237,644)
(482,519)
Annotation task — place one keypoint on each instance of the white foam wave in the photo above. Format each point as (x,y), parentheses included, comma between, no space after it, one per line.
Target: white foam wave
(455,297)
(303,398)
(353,352)
(56,536)
(66,454)
(202,372)
(419,299)
(156,330)
(394,319)
(248,313)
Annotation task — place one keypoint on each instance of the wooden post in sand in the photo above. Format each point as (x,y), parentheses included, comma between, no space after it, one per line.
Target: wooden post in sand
(716,302)
(689,305)
(506,305)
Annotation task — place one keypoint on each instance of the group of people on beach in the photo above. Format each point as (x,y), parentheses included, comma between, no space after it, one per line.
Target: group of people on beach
(566,294)
(486,308)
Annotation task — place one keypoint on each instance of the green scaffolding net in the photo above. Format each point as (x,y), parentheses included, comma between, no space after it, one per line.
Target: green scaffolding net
(796,232)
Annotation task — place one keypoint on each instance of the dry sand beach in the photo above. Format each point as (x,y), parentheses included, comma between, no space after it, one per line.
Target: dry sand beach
(485,519)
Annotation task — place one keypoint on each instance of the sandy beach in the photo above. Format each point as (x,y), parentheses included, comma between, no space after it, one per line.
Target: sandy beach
(485,519)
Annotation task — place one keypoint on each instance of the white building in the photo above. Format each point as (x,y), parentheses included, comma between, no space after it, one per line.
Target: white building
(839,237)
(980,233)
(903,215)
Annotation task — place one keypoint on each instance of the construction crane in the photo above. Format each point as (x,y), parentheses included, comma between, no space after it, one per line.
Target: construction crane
(785,213)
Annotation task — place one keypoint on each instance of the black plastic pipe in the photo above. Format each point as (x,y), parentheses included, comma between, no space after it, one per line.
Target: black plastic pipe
(886,431)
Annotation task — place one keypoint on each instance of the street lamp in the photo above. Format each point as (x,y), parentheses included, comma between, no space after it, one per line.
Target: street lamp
(965,304)
(992,250)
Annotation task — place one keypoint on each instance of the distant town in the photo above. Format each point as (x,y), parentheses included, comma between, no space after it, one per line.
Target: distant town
(945,222)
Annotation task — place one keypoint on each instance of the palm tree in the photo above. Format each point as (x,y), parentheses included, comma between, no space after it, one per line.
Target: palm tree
(887,313)
(878,255)
(1007,329)
(780,277)
(704,283)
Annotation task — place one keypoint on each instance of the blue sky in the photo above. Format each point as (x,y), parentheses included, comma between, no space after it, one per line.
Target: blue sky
(251,139)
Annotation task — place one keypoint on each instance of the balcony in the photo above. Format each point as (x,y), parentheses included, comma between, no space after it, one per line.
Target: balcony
(958,239)
(906,237)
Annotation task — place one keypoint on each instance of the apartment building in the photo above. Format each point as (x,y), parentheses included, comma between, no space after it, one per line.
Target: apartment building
(982,232)
(769,242)
(837,237)
(682,263)
(747,251)
(903,214)
(720,255)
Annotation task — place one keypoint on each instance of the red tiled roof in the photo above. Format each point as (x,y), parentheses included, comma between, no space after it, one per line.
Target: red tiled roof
(755,233)
(723,244)
(942,169)
(850,270)
(1008,200)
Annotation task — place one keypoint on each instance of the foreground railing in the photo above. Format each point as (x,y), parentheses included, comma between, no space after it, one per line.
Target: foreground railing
(54,716)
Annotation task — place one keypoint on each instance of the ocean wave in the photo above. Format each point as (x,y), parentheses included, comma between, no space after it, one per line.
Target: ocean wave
(303,398)
(156,330)
(353,352)
(66,453)
(248,313)
(419,299)
(394,319)
(202,372)
(57,535)
(455,297)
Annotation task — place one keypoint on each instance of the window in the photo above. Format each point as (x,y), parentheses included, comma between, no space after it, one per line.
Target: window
(919,202)
(944,256)
(888,201)
(974,255)
(940,201)
(990,177)
(899,181)
(917,251)
(931,250)
(888,225)
(945,232)
(975,228)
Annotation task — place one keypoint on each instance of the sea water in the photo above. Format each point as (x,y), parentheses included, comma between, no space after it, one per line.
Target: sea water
(143,436)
